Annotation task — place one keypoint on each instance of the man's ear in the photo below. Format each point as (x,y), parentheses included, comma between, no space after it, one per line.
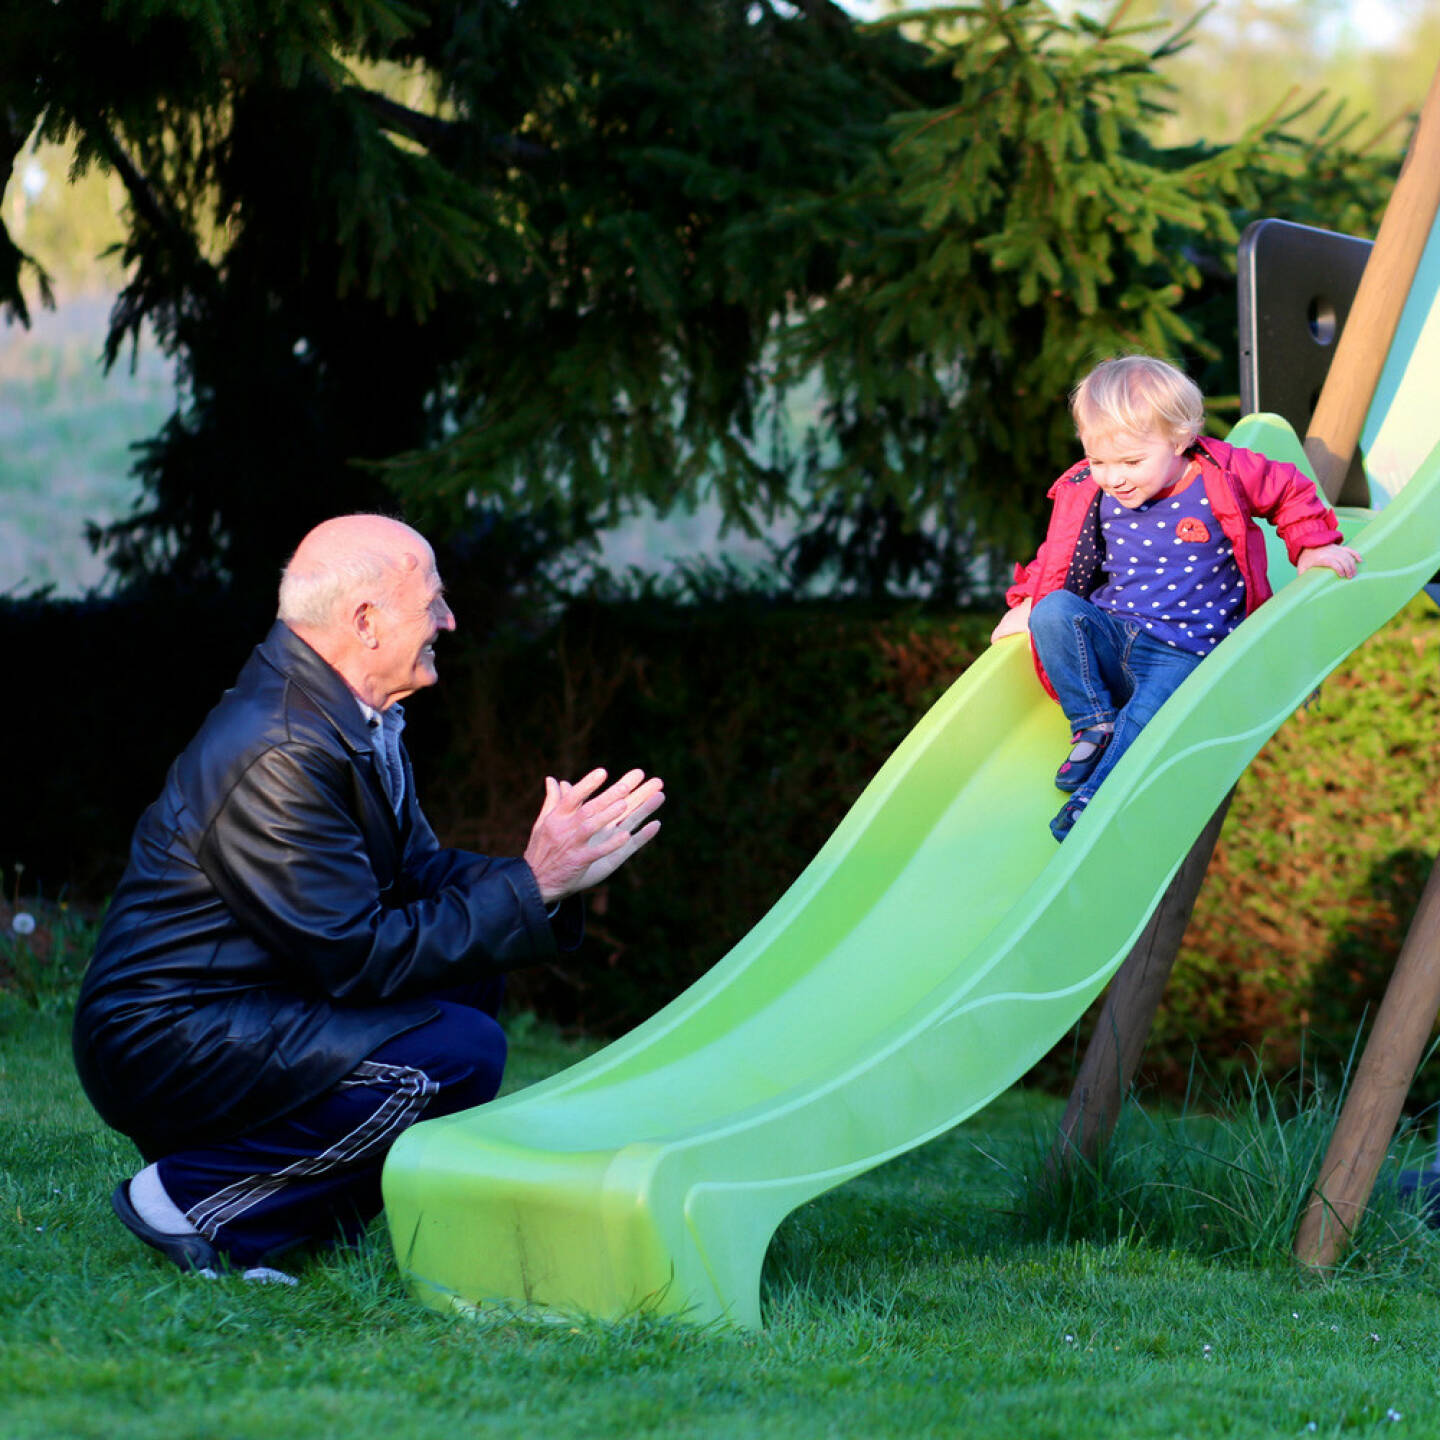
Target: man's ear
(363,621)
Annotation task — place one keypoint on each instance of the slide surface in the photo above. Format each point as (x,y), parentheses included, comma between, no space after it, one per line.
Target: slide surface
(938,945)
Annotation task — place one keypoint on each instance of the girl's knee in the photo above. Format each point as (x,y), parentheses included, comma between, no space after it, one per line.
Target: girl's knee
(1056,610)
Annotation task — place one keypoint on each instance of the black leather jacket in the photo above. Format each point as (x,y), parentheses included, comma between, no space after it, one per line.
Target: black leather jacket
(277,922)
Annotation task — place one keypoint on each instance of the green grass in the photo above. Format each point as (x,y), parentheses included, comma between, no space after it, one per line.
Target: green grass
(937,1296)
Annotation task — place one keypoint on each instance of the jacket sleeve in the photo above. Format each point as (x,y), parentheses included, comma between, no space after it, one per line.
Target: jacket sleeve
(1288,499)
(1022,585)
(288,857)
(444,867)
(1059,541)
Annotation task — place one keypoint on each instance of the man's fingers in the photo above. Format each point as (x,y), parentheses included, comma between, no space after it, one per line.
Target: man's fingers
(584,788)
(606,842)
(625,815)
(613,855)
(629,802)
(630,790)
(605,839)
(617,793)
(644,808)
(627,782)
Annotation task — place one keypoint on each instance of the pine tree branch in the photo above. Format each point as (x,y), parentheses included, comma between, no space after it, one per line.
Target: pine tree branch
(143,194)
(836,21)
(442,136)
(14,131)
(826,13)
(132,306)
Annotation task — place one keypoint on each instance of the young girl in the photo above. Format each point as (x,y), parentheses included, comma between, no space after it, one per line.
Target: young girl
(1152,557)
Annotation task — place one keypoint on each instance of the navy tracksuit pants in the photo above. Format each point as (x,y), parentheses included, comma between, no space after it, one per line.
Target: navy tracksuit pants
(314,1175)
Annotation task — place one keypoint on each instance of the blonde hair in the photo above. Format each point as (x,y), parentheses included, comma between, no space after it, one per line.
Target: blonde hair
(1139,395)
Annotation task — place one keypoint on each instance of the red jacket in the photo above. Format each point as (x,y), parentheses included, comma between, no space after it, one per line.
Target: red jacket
(1240,484)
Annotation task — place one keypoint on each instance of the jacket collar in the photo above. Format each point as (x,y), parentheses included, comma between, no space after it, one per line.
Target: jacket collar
(1217,452)
(283,649)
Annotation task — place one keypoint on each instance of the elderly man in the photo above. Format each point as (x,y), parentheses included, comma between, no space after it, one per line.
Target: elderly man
(293,969)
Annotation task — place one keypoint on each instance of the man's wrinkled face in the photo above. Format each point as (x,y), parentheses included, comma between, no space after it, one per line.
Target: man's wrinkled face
(409,621)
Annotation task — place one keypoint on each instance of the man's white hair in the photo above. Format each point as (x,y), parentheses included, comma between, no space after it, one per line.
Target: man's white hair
(322,595)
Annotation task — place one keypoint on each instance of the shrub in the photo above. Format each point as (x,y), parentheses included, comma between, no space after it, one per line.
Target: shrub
(1329,840)
(766,720)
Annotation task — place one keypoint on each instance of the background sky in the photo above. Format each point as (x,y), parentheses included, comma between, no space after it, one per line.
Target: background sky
(1244,56)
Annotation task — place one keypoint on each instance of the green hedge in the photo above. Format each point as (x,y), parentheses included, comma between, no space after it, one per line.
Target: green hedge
(766,719)
(1329,841)
(107,691)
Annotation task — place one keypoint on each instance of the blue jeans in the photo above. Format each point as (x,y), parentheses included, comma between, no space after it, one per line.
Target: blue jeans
(1106,670)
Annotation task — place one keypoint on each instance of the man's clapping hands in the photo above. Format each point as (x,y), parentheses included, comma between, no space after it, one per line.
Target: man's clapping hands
(583,834)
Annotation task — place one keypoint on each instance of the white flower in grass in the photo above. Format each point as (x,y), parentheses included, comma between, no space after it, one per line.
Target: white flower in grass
(1392,1415)
(23,923)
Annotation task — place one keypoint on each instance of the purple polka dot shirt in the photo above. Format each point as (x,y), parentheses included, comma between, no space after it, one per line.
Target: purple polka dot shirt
(1169,567)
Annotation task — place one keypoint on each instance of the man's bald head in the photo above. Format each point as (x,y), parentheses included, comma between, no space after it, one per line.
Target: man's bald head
(345,560)
(362,592)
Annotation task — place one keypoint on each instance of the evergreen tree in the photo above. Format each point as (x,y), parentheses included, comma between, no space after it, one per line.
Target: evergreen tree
(549,258)
(530,253)
(1037,228)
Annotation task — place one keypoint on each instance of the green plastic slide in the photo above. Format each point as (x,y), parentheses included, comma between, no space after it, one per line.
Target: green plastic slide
(937,946)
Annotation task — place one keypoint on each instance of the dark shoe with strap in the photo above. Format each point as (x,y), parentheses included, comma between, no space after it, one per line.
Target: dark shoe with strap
(189,1252)
(1070,812)
(1086,748)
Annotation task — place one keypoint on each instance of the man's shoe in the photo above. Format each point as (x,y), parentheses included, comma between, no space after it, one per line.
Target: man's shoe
(1086,748)
(189,1252)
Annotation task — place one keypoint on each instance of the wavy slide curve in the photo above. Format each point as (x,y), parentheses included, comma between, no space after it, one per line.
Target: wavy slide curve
(934,949)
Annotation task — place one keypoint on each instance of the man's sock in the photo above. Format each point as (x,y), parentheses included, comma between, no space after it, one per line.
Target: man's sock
(155,1207)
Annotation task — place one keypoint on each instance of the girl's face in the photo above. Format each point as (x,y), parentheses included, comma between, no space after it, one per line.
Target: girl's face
(1133,468)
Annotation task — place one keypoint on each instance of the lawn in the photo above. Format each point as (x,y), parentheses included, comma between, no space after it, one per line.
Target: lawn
(935,1296)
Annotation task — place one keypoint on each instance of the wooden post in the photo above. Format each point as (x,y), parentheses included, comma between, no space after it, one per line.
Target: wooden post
(1371,1110)
(1384,286)
(1382,1080)
(1113,1055)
